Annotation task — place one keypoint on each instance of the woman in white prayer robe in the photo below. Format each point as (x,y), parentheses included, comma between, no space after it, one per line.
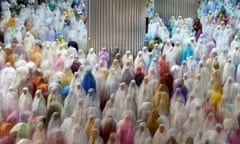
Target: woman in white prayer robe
(154,65)
(133,90)
(153,78)
(10,104)
(93,111)
(78,136)
(140,64)
(165,34)
(145,54)
(237,104)
(228,33)
(81,72)
(127,57)
(39,133)
(79,91)
(116,66)
(91,99)
(112,82)
(228,89)
(2,57)
(69,104)
(183,69)
(79,111)
(191,125)
(235,57)
(178,48)
(238,74)
(164,120)
(177,35)
(160,136)
(200,50)
(205,74)
(191,64)
(29,42)
(141,134)
(215,136)
(91,57)
(130,104)
(67,124)
(228,70)
(54,122)
(145,92)
(217,34)
(25,100)
(197,111)
(234,43)
(145,110)
(109,104)
(178,114)
(184,32)
(156,51)
(119,97)
(100,73)
(198,90)
(138,59)
(228,125)
(209,123)
(149,140)
(189,104)
(8,76)
(188,82)
(39,103)
(182,135)
(167,46)
(225,110)
(171,56)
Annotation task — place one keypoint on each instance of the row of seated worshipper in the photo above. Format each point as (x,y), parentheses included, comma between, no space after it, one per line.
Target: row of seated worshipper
(88,98)
(183,91)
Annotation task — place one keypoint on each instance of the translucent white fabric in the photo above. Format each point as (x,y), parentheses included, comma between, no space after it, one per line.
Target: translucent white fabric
(25,100)
(141,134)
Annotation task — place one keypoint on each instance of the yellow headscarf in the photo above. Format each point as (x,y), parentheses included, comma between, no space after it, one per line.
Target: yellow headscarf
(152,123)
(215,99)
(161,102)
(66,77)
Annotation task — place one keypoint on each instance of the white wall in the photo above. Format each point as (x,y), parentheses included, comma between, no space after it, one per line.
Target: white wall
(116,23)
(168,8)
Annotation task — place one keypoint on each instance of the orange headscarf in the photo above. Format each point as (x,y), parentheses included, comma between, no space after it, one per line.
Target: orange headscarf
(5,128)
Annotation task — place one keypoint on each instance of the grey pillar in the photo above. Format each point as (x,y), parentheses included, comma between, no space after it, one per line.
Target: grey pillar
(116,23)
(168,8)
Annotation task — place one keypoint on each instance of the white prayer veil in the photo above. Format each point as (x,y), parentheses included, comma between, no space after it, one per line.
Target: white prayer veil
(160,135)
(39,103)
(25,100)
(54,122)
(141,134)
(112,82)
(78,135)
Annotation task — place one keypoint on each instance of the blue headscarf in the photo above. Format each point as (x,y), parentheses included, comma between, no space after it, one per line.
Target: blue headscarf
(187,52)
(88,81)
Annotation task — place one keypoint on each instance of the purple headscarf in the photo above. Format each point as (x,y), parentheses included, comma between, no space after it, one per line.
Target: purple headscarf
(104,56)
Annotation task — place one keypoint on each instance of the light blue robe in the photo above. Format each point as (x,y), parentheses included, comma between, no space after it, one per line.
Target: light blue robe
(187,52)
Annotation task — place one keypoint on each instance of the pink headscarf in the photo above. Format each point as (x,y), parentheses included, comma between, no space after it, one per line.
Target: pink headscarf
(13,117)
(125,131)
